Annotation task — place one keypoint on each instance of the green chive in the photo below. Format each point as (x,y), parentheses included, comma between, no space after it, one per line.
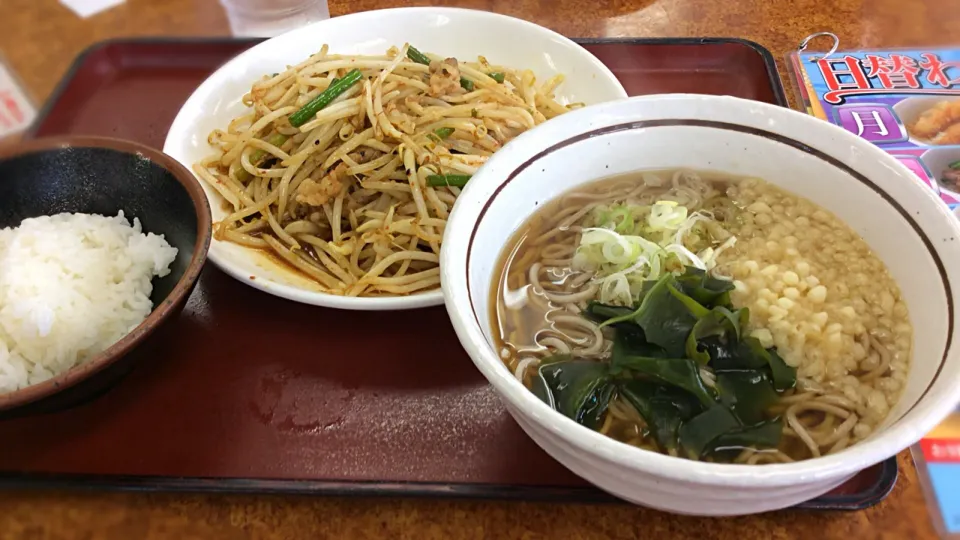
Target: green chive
(336,88)
(420,58)
(451,180)
(257,156)
(444,132)
(417,56)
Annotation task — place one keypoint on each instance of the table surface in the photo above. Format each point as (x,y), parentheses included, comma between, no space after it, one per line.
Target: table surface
(40,38)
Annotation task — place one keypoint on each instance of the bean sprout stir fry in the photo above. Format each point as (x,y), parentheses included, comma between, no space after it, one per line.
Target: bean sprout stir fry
(346,167)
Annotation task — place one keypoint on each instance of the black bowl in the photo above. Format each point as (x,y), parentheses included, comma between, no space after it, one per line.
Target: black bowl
(95,175)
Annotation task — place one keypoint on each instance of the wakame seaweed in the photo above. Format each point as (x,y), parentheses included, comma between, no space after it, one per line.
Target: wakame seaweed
(681,373)
(697,434)
(681,326)
(664,407)
(748,394)
(579,389)
(600,313)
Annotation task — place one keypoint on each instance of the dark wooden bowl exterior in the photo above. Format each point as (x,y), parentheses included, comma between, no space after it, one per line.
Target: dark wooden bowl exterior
(97,175)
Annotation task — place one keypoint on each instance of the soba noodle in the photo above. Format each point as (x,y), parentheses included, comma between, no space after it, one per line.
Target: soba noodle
(814,289)
(355,194)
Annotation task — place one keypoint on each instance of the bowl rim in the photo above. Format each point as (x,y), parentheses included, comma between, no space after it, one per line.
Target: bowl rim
(160,312)
(361,303)
(458,299)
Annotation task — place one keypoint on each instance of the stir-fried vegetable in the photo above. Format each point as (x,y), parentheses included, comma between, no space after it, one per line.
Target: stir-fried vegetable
(443,132)
(324,98)
(452,180)
(680,358)
(420,58)
(417,56)
(257,157)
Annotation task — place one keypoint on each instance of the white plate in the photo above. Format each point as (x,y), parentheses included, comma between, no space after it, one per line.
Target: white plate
(453,32)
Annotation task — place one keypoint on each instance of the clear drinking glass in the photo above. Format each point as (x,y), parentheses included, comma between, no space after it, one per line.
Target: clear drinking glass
(268,18)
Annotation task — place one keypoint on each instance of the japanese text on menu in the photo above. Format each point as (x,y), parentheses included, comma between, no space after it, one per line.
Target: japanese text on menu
(907,102)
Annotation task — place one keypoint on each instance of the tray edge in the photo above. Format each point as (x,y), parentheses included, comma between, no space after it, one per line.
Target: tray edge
(60,88)
(282,486)
(880,490)
(373,488)
(889,474)
(773,72)
(80,59)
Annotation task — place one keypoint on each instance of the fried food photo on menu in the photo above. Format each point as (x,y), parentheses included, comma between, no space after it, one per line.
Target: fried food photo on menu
(938,124)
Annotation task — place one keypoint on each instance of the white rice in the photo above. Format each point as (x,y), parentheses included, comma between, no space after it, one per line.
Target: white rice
(72,285)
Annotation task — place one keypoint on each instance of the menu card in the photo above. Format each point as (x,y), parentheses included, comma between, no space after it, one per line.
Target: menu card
(16,111)
(938,463)
(907,102)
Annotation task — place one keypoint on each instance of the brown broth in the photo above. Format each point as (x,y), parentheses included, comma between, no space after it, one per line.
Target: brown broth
(530,322)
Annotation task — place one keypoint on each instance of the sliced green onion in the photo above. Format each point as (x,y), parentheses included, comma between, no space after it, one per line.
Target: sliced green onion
(667,216)
(622,219)
(497,76)
(451,180)
(316,104)
(955,165)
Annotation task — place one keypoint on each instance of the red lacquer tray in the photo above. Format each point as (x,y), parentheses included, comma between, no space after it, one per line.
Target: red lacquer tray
(247,392)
